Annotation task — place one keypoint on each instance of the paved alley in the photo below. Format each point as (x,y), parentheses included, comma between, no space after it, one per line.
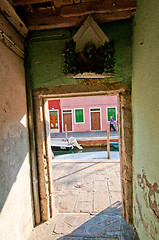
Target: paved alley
(85,187)
(87,199)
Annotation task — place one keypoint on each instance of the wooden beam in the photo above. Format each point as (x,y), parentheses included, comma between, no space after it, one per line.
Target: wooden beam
(57,3)
(30,8)
(9,12)
(55,22)
(73,15)
(8,32)
(102,18)
(6,28)
(26,2)
(97,7)
(41,20)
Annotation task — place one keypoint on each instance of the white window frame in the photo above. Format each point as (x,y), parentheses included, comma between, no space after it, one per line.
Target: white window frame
(115,111)
(100,118)
(72,119)
(83,115)
(54,130)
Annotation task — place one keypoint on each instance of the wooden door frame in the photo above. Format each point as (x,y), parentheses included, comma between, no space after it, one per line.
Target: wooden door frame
(72,119)
(58,130)
(91,118)
(40,97)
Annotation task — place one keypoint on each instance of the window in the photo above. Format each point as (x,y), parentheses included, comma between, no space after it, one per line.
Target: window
(111,112)
(79,116)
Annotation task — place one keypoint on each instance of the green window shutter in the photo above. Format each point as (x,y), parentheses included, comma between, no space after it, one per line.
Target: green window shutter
(111,112)
(79,116)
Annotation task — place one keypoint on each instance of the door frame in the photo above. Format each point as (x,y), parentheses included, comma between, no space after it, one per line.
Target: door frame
(91,118)
(63,121)
(44,160)
(54,130)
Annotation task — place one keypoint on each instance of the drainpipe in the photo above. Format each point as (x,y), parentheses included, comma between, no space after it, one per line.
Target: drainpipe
(32,146)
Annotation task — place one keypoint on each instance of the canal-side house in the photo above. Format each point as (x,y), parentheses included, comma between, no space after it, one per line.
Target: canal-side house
(82,114)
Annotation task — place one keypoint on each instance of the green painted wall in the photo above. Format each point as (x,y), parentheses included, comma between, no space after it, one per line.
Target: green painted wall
(46,61)
(145,102)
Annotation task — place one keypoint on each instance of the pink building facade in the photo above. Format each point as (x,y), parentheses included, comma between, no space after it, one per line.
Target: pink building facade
(81,114)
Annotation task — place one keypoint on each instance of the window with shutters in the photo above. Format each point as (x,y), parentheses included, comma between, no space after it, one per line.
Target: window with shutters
(79,116)
(112,112)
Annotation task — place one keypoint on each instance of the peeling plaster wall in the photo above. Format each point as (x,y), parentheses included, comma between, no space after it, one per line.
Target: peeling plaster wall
(46,60)
(145,102)
(15,187)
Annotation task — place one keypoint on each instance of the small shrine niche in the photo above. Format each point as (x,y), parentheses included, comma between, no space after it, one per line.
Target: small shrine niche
(89,32)
(90,51)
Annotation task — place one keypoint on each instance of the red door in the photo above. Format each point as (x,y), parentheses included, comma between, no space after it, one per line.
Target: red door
(95,119)
(67,120)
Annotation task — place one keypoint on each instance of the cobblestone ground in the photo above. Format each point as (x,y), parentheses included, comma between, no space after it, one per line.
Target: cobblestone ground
(87,204)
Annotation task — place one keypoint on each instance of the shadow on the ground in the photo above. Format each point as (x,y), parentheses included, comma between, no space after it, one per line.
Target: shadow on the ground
(108,224)
(55,180)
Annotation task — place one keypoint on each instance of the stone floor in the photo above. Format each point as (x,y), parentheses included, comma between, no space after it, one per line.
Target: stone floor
(85,187)
(87,203)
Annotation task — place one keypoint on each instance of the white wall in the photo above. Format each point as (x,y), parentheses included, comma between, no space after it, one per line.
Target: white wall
(15,187)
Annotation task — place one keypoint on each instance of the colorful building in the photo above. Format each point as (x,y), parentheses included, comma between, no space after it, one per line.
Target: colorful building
(82,114)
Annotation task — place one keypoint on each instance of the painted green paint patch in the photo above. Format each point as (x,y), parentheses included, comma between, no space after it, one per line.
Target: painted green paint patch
(46,64)
(121,33)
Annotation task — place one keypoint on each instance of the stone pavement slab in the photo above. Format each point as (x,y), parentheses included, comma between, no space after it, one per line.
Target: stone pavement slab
(108,224)
(85,187)
(87,238)
(73,226)
(87,203)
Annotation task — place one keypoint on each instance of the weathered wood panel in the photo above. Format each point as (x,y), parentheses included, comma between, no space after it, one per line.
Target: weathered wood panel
(8,30)
(9,12)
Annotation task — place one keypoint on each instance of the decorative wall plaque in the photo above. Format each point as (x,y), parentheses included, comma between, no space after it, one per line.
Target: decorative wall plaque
(89,51)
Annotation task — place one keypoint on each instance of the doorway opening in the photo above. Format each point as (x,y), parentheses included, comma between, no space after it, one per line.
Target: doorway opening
(85,182)
(44,151)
